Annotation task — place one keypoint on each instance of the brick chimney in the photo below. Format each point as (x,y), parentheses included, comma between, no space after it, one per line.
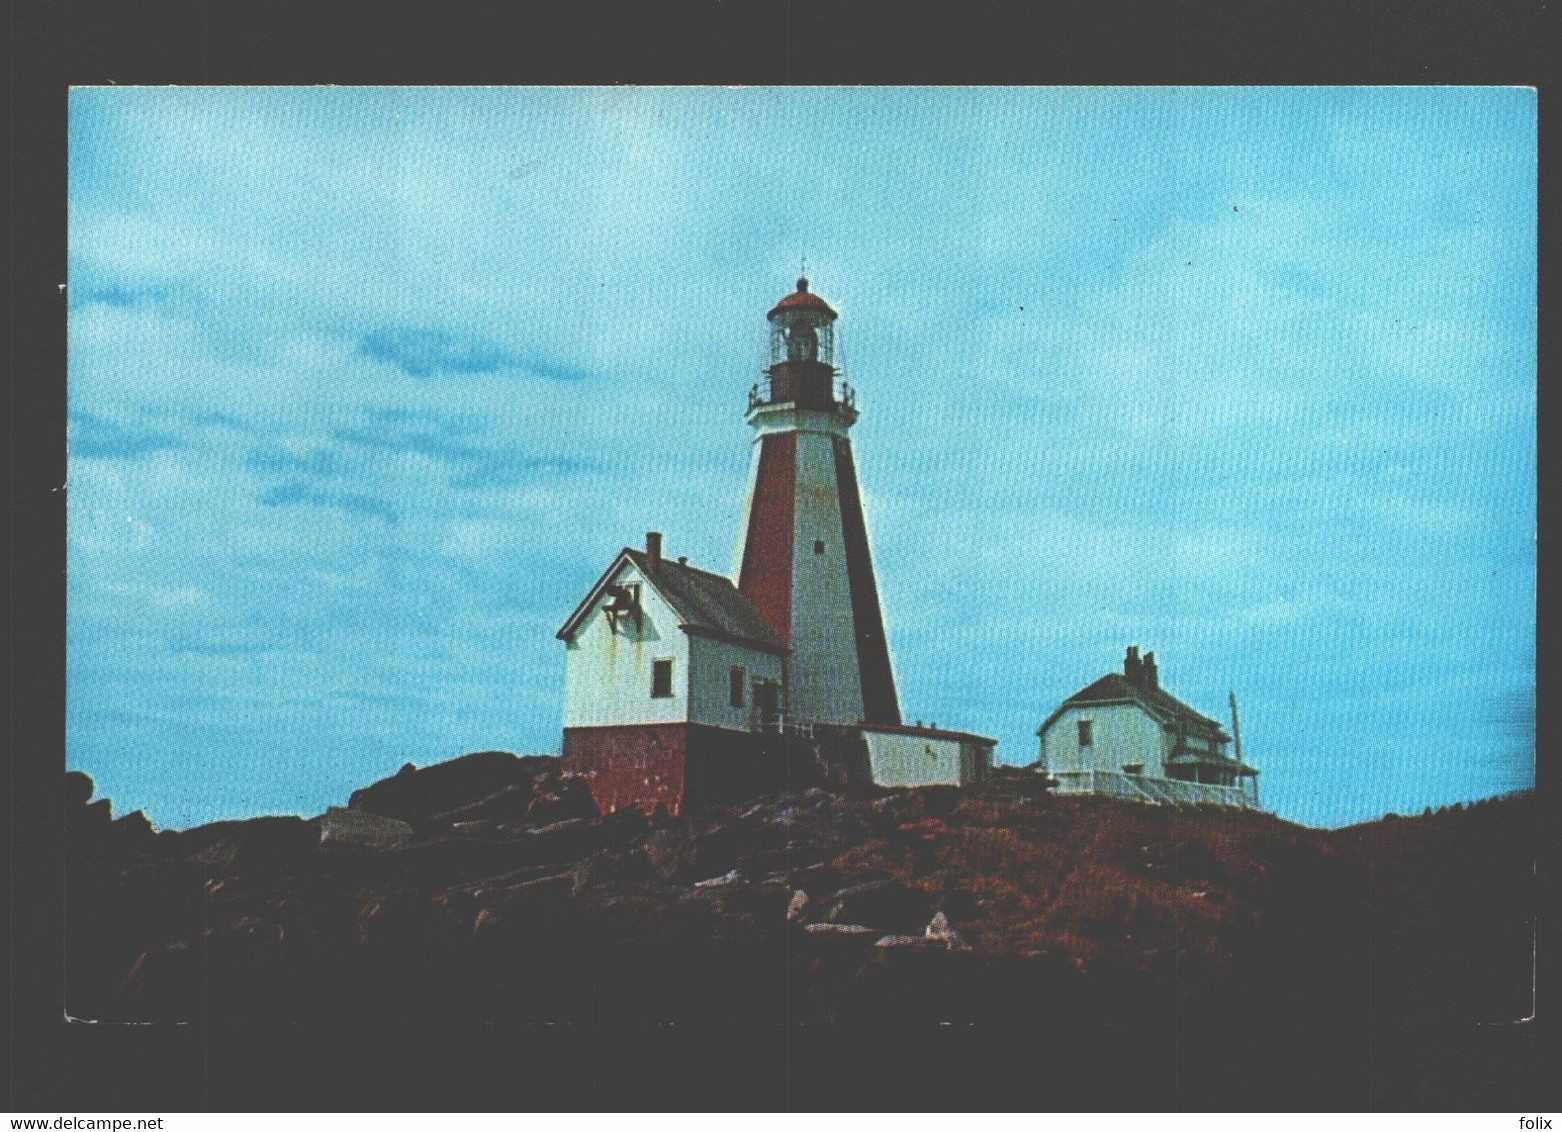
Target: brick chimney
(1131,664)
(653,545)
(1152,678)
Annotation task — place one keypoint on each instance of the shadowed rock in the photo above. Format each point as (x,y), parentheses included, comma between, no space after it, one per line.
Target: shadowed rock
(133,833)
(564,798)
(362,829)
(78,790)
(893,907)
(272,846)
(416,796)
(886,905)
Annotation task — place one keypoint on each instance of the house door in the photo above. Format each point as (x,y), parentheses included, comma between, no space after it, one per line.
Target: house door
(767,705)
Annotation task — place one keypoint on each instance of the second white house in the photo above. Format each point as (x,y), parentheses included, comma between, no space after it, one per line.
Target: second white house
(1125,735)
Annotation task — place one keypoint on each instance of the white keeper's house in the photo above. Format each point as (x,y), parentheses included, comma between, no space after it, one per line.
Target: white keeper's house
(1126,736)
(668,672)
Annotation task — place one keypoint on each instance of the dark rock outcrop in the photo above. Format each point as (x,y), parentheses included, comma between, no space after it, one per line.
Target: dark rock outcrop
(419,796)
(78,790)
(960,905)
(88,824)
(561,799)
(343,828)
(268,846)
(887,906)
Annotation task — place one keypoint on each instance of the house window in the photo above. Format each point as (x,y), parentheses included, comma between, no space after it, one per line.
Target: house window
(661,679)
(1084,732)
(818,546)
(735,681)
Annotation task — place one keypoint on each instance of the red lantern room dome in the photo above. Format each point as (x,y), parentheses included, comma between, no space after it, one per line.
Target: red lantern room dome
(802,299)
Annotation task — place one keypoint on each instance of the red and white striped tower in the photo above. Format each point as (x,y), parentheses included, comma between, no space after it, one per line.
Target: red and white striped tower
(804,561)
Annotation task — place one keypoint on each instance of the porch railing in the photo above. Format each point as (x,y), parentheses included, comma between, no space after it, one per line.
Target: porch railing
(1155,791)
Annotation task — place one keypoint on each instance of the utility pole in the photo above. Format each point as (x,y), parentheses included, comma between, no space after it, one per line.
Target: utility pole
(1236,733)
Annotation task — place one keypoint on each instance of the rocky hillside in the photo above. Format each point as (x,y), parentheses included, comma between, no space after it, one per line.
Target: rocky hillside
(488,887)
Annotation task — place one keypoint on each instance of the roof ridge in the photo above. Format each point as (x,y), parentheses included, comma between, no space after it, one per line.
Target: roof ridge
(697,570)
(1153,698)
(664,561)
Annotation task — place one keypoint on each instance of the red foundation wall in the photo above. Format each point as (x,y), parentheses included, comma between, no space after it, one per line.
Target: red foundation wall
(676,765)
(640,765)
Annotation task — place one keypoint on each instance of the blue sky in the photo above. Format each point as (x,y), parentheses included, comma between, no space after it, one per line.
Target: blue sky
(368,385)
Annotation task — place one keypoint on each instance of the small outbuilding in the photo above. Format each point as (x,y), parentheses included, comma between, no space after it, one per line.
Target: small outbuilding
(926,756)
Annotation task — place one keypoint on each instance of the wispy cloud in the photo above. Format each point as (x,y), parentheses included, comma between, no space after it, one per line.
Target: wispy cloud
(316,462)
(352,502)
(512,466)
(99,438)
(453,441)
(420,351)
(428,434)
(117,295)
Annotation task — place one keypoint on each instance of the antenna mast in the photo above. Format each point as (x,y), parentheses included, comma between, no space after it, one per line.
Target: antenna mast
(1236,731)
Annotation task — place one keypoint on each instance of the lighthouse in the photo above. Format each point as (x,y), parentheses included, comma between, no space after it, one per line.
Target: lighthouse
(684,687)
(803,559)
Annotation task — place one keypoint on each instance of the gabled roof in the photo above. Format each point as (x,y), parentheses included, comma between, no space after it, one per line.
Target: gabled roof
(706,604)
(1115,688)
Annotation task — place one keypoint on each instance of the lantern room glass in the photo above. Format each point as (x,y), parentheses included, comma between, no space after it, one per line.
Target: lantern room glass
(801,335)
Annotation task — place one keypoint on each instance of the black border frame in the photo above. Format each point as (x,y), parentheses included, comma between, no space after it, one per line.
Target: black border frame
(84,1068)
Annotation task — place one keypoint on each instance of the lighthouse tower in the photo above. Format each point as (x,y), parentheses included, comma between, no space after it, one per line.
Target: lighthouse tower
(804,561)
